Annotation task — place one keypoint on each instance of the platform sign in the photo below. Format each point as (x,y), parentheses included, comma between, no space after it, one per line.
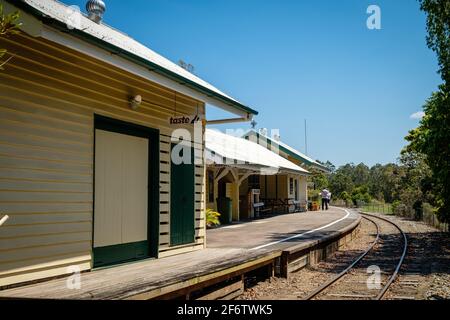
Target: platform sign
(184,120)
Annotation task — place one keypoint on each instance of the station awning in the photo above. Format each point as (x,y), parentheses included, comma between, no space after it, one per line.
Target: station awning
(226,150)
(287,150)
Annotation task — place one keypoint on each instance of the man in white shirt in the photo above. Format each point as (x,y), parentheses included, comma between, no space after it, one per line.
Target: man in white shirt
(325,193)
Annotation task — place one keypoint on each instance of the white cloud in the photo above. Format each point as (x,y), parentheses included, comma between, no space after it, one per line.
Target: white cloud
(418,115)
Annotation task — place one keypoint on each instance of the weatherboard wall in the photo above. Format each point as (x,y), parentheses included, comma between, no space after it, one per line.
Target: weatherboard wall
(49,95)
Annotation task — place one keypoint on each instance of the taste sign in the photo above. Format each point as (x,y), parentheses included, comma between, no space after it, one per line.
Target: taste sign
(184,120)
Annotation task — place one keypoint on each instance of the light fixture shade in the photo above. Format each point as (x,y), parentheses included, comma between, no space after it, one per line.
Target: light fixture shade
(96,9)
(136,102)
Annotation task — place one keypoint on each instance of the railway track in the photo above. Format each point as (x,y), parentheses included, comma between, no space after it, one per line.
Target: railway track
(380,263)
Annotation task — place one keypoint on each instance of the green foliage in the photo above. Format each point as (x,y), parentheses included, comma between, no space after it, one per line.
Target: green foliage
(432,137)
(212,218)
(8,26)
(341,182)
(407,184)
(346,197)
(361,195)
(384,181)
(319,179)
(361,174)
(314,195)
(438,27)
(395,205)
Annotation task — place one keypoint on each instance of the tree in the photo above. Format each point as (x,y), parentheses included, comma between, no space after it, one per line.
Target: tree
(361,175)
(361,195)
(432,137)
(438,28)
(376,182)
(330,166)
(341,182)
(8,26)
(319,179)
(392,181)
(416,188)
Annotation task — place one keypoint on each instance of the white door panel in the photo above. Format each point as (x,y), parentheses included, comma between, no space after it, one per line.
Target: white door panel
(121,180)
(135,183)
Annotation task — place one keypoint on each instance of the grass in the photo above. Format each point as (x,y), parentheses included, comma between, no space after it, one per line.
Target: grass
(378,208)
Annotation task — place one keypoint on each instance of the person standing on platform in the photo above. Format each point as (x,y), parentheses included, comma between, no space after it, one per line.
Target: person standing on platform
(324,195)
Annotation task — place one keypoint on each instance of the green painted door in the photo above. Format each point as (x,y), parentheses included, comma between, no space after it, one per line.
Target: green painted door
(182,203)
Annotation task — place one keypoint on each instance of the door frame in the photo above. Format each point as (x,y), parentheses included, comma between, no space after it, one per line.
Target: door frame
(153,196)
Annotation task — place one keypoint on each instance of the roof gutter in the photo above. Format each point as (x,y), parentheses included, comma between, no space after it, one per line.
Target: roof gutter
(130,56)
(262,170)
(232,120)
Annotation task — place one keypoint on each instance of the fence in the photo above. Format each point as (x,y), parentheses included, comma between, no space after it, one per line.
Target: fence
(385,208)
(429,217)
(426,215)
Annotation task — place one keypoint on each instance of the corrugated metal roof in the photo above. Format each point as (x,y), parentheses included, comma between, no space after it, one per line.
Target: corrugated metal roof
(232,150)
(51,11)
(293,152)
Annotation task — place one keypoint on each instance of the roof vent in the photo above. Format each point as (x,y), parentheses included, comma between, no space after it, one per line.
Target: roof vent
(96,9)
(263,131)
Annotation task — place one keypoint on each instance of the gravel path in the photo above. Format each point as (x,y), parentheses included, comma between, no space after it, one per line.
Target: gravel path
(425,274)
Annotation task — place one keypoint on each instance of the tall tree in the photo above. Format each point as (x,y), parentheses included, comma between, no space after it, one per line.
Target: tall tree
(438,27)
(432,137)
(361,174)
(341,182)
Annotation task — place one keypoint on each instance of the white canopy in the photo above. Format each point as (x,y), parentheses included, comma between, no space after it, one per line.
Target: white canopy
(225,149)
(285,149)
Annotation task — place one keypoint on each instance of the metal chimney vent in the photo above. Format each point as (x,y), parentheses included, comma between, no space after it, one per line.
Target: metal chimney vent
(96,9)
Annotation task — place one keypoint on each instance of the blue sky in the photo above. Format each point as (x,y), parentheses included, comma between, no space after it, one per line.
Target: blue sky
(296,60)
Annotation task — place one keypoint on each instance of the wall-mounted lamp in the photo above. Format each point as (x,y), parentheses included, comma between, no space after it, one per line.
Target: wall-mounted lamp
(3,220)
(135,102)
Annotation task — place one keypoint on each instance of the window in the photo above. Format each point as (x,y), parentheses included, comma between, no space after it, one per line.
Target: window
(296,190)
(254,182)
(291,185)
(210,186)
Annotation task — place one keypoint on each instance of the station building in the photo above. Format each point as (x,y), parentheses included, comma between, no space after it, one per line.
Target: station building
(254,179)
(87,116)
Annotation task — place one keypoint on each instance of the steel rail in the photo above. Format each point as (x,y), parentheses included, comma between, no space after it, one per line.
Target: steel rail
(402,258)
(344,272)
(372,245)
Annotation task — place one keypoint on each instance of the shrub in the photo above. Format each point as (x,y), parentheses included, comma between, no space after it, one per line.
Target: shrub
(346,197)
(212,218)
(314,195)
(361,195)
(395,205)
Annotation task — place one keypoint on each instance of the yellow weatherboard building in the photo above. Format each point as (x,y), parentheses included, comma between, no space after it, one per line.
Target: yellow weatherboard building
(86,176)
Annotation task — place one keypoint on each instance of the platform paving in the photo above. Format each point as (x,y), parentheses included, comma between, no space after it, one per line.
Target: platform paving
(279,231)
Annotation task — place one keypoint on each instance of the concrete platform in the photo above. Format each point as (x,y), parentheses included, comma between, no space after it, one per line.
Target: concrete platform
(282,242)
(279,232)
